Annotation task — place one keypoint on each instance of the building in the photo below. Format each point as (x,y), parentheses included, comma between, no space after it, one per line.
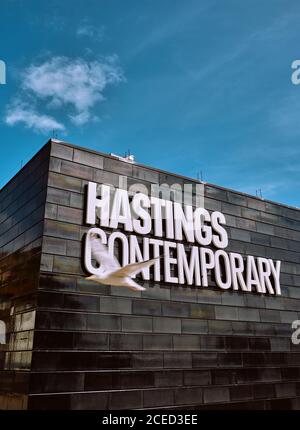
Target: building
(72,343)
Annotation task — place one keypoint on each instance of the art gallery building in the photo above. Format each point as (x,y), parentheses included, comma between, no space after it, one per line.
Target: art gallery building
(197,342)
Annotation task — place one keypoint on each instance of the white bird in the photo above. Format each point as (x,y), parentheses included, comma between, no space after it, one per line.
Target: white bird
(111,272)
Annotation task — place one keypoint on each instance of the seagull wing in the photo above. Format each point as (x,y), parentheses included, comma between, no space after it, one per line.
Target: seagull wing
(102,256)
(133,269)
(130,283)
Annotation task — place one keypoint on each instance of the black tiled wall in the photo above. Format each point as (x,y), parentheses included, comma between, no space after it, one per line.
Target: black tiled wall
(22,206)
(102,347)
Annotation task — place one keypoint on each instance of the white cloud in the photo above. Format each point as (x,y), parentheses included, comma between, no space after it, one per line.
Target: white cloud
(81,118)
(19,112)
(85,29)
(75,83)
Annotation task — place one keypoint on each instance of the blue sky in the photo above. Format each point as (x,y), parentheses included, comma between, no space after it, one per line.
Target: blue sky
(185,85)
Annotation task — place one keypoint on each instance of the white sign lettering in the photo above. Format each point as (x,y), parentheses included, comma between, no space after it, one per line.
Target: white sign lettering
(187,258)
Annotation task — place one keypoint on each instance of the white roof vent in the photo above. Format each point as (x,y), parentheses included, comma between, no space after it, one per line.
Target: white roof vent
(128,158)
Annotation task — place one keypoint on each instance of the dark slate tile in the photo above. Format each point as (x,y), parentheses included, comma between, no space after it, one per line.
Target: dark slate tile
(103,322)
(128,342)
(216,395)
(94,381)
(61,229)
(212,342)
(233,299)
(74,248)
(209,296)
(266,229)
(115,305)
(264,329)
(86,286)
(133,379)
(237,199)
(258,344)
(214,192)
(147,360)
(280,404)
(256,203)
(93,341)
(53,340)
(146,174)
(156,292)
(78,170)
(178,360)
(46,263)
(237,343)
(260,239)
(54,164)
(280,344)
(168,378)
(61,197)
(248,314)
(230,359)
(70,215)
(159,397)
(226,313)
(202,311)
(158,342)
(222,377)
(212,205)
(52,245)
(61,151)
(204,359)
(50,299)
(250,213)
(89,401)
(184,294)
(68,183)
(62,264)
(263,391)
(125,400)
(56,382)
(49,402)
(50,211)
(267,315)
(146,307)
(76,201)
(230,209)
(176,309)
(88,158)
(189,396)
(120,167)
(166,325)
(285,390)
(242,392)
(137,324)
(239,234)
(197,377)
(186,342)
(254,359)
(194,326)
(57,282)
(246,224)
(220,327)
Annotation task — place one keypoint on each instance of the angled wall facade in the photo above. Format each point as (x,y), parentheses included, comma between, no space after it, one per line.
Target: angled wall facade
(22,207)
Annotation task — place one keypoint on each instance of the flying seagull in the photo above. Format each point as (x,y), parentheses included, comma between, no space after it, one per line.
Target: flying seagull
(111,272)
